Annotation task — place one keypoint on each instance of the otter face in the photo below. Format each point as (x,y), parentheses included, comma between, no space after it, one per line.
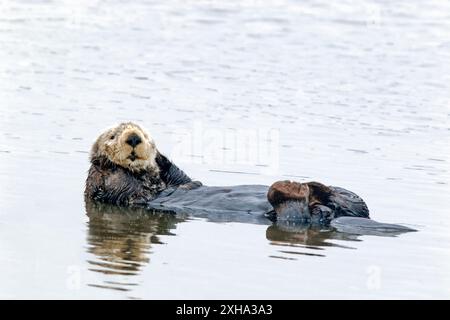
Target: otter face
(290,201)
(128,146)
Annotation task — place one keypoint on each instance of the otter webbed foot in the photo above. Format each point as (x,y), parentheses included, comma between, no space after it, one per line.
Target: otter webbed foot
(301,202)
(364,226)
(290,201)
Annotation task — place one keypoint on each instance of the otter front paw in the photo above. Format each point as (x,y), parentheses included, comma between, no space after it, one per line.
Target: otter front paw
(140,202)
(191,185)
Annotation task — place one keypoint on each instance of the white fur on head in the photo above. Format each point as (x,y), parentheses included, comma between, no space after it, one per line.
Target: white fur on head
(112,144)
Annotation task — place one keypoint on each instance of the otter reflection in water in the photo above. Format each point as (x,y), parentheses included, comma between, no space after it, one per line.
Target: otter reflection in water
(307,235)
(121,239)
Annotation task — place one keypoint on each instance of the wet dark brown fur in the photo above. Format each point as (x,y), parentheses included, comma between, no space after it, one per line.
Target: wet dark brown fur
(110,183)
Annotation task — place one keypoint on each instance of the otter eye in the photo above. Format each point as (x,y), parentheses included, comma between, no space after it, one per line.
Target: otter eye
(112,137)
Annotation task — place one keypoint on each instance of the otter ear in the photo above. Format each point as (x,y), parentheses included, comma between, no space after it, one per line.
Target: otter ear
(319,193)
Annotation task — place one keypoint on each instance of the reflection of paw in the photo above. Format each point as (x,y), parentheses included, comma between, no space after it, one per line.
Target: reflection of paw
(191,185)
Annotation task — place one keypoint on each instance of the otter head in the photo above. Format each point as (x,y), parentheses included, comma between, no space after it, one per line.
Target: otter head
(290,200)
(126,145)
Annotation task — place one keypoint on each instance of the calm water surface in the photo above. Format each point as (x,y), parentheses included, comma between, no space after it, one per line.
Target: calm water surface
(354,95)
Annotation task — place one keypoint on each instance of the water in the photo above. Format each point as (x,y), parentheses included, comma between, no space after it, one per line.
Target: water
(239,92)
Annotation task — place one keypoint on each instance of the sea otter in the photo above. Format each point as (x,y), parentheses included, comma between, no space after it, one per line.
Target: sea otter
(128,170)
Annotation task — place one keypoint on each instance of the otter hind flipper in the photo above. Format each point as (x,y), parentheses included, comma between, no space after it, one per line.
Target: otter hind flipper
(362,226)
(347,203)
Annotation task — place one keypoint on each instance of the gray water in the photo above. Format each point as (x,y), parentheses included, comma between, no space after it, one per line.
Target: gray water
(235,92)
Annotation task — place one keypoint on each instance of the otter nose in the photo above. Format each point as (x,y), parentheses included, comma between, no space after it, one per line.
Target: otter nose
(133,140)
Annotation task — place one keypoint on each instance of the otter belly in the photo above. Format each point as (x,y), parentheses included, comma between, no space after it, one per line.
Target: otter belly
(244,203)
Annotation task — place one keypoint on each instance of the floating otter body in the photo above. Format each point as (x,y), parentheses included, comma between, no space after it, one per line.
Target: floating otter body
(128,170)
